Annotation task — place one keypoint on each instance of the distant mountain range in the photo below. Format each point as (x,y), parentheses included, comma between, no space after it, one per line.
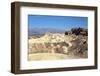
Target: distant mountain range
(42,31)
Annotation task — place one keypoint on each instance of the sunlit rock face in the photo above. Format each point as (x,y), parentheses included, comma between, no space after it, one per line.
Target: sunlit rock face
(52,43)
(61,47)
(59,43)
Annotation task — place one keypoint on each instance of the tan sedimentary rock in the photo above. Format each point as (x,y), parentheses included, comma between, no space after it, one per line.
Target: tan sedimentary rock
(59,43)
(40,44)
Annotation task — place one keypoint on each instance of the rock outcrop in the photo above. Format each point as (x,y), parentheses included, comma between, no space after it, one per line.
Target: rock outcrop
(59,43)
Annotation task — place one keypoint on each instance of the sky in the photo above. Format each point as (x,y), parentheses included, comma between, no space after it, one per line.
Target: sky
(58,22)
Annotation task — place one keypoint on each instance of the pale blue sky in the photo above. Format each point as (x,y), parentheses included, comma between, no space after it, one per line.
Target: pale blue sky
(58,22)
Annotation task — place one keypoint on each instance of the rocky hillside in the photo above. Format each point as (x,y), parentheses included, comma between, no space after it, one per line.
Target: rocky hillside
(73,45)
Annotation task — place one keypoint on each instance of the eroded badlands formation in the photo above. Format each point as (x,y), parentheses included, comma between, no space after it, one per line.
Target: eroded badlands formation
(61,44)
